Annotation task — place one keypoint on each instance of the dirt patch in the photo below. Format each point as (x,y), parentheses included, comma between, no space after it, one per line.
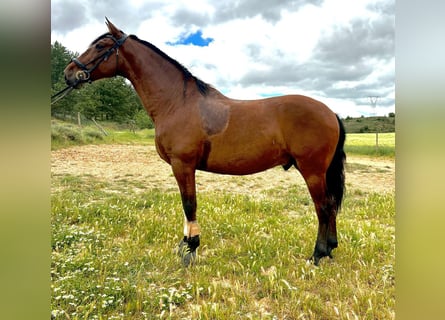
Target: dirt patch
(135,163)
(371,174)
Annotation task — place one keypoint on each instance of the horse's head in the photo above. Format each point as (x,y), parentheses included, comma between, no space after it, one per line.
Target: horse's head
(99,61)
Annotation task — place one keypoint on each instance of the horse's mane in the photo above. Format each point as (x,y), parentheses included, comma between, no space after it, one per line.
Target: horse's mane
(202,87)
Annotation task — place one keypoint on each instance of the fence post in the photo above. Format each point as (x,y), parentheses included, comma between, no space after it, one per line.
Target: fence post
(100,127)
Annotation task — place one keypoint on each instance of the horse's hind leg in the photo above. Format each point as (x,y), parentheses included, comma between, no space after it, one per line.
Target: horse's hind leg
(332,230)
(327,231)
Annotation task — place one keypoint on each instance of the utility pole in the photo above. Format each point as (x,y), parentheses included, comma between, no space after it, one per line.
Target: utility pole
(373,100)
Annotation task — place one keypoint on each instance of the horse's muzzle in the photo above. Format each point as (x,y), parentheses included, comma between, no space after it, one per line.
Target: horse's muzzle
(77,80)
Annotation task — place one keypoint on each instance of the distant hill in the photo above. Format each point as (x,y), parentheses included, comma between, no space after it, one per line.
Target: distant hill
(370,124)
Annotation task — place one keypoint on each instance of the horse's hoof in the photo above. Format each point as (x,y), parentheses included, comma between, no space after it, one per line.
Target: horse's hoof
(187,256)
(189,259)
(181,247)
(316,261)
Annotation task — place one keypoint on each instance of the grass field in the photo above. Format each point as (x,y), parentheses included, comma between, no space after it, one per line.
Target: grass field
(113,254)
(365,144)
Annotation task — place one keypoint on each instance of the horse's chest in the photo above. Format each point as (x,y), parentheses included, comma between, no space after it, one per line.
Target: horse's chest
(160,148)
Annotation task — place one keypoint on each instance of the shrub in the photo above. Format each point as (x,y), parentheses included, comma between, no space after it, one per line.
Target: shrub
(65,132)
(92,134)
(142,120)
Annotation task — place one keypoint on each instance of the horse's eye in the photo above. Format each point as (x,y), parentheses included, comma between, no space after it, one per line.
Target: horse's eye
(99,46)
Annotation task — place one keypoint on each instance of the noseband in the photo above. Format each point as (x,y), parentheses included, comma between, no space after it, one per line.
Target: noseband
(83,75)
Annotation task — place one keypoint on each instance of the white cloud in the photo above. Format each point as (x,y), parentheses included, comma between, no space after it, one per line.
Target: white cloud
(150,30)
(298,32)
(76,40)
(335,50)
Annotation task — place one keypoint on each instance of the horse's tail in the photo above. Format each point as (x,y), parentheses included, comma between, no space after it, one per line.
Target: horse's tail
(335,176)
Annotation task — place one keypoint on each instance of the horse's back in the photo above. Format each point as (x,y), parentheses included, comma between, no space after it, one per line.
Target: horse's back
(295,117)
(302,109)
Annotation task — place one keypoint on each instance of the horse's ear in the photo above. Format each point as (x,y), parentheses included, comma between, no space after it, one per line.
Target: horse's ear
(112,28)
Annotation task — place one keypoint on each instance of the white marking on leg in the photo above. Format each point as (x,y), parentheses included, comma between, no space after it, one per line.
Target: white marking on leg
(194,229)
(191,228)
(186,227)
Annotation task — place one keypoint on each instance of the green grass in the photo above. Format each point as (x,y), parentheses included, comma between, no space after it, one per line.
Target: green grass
(113,256)
(365,144)
(112,250)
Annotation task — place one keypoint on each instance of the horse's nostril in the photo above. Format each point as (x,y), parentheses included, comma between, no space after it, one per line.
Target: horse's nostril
(66,80)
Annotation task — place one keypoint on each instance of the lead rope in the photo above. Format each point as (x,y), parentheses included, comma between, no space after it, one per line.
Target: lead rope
(59,95)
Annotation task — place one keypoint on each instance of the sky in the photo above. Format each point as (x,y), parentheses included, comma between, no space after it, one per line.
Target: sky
(340,52)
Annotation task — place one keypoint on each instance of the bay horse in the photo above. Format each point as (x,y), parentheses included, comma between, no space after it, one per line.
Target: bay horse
(198,128)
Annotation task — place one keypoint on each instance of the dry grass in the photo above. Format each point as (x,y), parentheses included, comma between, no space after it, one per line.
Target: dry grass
(140,168)
(117,218)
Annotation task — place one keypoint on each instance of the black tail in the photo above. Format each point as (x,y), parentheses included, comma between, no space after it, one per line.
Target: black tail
(335,176)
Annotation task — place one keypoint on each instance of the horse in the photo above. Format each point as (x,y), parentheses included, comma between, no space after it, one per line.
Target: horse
(199,128)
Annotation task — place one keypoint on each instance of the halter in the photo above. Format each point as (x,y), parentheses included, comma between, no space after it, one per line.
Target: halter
(83,75)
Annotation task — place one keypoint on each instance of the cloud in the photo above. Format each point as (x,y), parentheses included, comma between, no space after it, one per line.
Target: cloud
(270,10)
(361,39)
(351,61)
(386,8)
(335,50)
(186,17)
(220,12)
(67,15)
(360,53)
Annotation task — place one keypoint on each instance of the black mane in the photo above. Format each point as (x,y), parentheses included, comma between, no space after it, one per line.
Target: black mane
(202,87)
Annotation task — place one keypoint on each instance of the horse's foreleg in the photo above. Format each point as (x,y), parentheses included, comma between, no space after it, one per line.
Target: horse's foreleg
(190,242)
(185,176)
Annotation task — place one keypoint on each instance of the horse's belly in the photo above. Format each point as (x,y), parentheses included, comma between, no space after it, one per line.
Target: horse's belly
(245,161)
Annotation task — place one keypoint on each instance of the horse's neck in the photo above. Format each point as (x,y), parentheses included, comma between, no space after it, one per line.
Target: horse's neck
(158,83)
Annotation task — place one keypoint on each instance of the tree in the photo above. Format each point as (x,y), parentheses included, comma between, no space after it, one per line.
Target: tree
(142,120)
(60,57)
(115,100)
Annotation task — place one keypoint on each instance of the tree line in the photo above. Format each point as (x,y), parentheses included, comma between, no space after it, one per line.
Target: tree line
(111,99)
